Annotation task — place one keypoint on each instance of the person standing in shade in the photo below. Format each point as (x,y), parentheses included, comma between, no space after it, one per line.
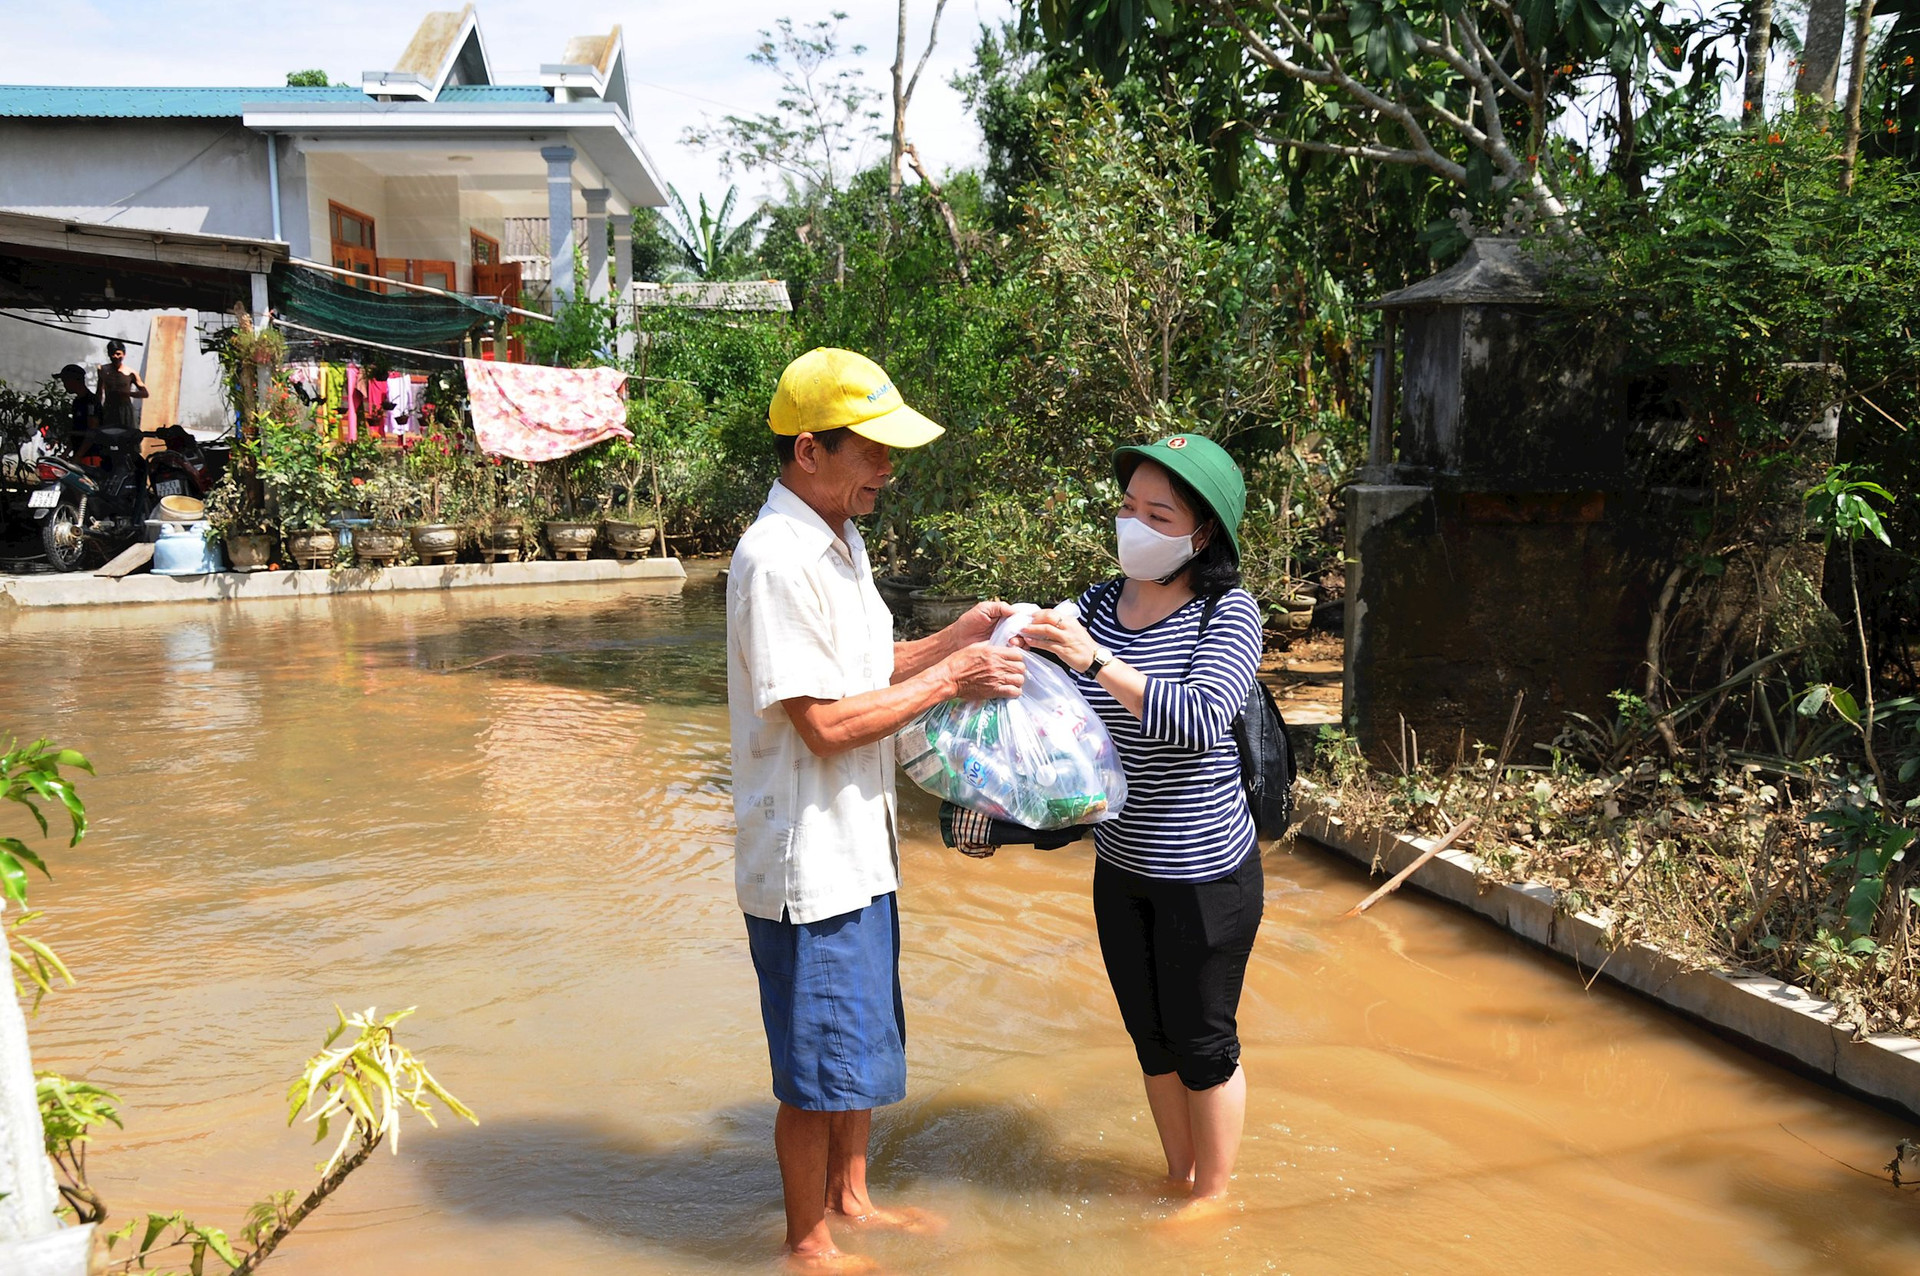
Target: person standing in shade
(816,687)
(119,387)
(1166,656)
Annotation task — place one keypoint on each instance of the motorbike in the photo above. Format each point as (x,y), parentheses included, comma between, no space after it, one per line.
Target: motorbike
(92,507)
(187,467)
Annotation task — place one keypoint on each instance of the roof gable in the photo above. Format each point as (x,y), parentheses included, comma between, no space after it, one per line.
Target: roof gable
(590,66)
(446,51)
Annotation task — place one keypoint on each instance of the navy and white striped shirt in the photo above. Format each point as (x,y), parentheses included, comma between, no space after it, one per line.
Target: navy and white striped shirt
(1186,815)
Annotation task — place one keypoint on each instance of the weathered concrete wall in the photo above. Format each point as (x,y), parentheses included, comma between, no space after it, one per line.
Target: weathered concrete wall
(1511,398)
(188,175)
(1465,598)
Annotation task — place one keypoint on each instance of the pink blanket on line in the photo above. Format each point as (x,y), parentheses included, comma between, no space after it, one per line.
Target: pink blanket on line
(533,413)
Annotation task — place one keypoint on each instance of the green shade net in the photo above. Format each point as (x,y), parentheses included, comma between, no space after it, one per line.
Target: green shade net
(417,320)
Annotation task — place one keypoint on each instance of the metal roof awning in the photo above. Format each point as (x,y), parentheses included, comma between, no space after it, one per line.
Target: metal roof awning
(53,263)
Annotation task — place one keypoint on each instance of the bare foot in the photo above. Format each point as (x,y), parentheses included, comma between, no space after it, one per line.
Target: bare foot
(907,1218)
(1201,1209)
(829,1262)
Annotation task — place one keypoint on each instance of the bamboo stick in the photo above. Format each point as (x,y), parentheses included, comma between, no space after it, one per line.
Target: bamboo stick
(1399,878)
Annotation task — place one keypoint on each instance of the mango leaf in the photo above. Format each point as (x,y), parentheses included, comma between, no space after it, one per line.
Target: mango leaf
(1815,700)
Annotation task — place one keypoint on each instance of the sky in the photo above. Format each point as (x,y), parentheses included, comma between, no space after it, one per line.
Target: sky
(686,59)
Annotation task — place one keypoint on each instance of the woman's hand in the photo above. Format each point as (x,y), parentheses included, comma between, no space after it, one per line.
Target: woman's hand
(1064,636)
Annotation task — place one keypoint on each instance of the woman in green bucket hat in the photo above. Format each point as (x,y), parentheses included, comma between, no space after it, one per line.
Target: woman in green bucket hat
(1166,654)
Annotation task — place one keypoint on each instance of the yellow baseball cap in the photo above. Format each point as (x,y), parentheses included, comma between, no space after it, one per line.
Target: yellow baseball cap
(826,389)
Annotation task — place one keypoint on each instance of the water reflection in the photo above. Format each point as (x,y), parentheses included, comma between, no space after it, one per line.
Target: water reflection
(514,813)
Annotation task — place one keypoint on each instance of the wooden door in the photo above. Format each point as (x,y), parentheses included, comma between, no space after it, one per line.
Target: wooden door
(432,273)
(353,241)
(499,283)
(392,268)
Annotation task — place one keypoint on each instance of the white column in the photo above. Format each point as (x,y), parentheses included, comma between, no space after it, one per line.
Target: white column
(596,243)
(560,219)
(622,282)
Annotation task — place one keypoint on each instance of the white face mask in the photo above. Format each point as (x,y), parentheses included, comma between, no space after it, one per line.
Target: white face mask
(1149,555)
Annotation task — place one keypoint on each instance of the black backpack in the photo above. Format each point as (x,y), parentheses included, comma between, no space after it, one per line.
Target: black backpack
(1266,754)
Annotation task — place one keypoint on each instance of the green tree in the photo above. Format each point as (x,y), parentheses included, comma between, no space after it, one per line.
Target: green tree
(314,79)
(1467,90)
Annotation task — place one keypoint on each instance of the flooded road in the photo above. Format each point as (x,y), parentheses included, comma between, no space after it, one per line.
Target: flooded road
(513,812)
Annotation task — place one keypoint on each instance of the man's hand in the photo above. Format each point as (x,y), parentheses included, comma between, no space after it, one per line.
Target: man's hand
(981,671)
(978,622)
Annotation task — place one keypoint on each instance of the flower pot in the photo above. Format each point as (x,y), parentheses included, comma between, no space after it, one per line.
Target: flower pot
(571,540)
(1299,613)
(312,548)
(629,540)
(500,540)
(250,551)
(934,611)
(435,542)
(378,546)
(897,593)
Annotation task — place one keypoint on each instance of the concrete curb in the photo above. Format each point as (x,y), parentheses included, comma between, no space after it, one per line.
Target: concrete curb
(1786,1023)
(86,590)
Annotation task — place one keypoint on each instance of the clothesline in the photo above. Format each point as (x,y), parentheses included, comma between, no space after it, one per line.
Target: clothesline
(361,341)
(78,332)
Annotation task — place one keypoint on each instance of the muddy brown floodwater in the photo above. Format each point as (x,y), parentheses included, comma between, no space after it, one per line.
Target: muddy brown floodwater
(513,813)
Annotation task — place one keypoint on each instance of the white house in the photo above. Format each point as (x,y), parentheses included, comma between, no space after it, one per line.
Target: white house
(410,176)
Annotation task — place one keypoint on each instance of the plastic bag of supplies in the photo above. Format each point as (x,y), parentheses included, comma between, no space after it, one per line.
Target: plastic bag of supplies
(1042,759)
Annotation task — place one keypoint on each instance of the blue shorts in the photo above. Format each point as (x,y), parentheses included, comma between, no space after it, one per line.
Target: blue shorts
(830,997)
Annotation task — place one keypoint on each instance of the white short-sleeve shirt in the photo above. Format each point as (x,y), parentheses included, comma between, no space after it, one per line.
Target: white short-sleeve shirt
(814,836)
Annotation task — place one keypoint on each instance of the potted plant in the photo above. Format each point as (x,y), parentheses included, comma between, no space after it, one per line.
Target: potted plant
(573,480)
(235,518)
(628,537)
(302,480)
(385,499)
(434,464)
(502,504)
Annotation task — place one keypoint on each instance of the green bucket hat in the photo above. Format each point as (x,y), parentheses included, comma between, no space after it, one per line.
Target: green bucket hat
(1204,466)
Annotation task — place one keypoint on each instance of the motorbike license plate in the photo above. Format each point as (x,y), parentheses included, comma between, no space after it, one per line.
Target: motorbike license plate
(44,498)
(170,487)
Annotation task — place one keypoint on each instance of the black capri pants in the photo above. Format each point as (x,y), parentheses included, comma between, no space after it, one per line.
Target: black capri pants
(1176,954)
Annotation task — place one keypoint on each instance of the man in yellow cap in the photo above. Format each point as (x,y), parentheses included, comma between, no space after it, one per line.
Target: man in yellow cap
(816,687)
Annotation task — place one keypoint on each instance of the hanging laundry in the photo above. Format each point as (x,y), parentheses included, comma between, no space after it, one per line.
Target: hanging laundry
(400,402)
(530,413)
(351,400)
(306,382)
(375,418)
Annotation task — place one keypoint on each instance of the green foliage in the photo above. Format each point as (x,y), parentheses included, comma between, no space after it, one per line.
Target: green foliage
(712,245)
(24,413)
(1032,550)
(364,1086)
(1866,845)
(312,79)
(1842,506)
(29,776)
(1749,257)
(302,476)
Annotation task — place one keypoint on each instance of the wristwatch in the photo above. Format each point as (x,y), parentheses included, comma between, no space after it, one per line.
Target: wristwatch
(1101,659)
